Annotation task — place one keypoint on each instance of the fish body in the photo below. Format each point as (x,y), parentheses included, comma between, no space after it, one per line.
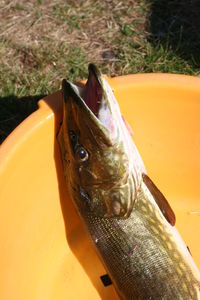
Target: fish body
(128,219)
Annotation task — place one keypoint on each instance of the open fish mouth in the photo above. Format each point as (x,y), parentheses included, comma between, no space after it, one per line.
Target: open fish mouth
(93,92)
(96,99)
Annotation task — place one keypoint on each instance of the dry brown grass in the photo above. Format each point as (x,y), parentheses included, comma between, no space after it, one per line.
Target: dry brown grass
(42,42)
(95,27)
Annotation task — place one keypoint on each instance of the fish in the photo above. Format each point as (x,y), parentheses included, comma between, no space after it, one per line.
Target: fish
(129,220)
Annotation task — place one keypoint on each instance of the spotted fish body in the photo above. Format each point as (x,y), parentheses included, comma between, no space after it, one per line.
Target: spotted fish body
(144,255)
(128,219)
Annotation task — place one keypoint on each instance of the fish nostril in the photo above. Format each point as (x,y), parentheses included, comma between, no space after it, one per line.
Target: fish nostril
(106,280)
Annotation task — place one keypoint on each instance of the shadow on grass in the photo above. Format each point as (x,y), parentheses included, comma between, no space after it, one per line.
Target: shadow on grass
(175,24)
(14,110)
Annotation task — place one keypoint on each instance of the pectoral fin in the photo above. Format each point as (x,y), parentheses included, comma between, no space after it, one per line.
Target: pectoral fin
(160,200)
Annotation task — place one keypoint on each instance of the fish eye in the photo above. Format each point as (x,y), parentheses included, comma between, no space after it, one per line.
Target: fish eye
(82,154)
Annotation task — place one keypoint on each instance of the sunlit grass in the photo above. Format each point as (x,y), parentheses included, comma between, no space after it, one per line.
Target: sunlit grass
(42,42)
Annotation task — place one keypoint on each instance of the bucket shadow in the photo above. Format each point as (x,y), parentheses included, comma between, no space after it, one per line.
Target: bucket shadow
(13,110)
(175,24)
(76,235)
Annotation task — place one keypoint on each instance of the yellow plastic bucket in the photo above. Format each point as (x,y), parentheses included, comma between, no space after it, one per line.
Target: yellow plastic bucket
(44,249)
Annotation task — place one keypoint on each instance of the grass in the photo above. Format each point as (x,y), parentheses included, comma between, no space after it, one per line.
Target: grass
(42,42)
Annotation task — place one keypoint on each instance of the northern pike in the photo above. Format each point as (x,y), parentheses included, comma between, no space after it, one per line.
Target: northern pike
(128,219)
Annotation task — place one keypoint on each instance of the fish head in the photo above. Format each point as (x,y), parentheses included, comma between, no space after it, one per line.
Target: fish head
(95,147)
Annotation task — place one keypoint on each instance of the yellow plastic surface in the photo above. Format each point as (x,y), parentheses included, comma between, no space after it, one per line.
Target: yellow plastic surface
(44,249)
